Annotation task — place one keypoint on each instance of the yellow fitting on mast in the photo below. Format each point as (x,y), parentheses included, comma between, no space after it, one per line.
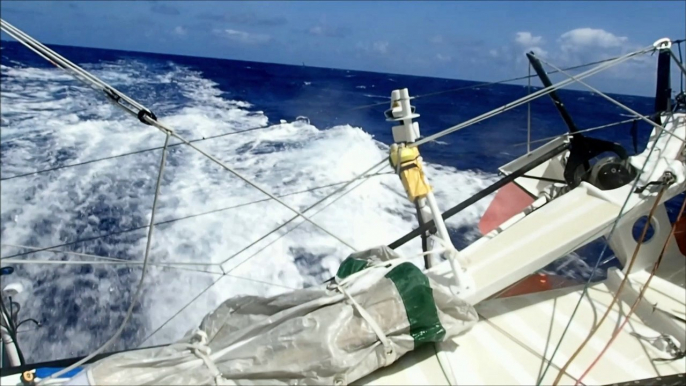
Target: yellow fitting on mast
(407,162)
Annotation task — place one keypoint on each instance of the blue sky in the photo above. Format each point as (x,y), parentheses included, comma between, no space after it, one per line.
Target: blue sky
(464,40)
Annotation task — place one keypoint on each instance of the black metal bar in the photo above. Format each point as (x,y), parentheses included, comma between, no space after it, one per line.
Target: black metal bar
(536,64)
(473,199)
(554,180)
(663,90)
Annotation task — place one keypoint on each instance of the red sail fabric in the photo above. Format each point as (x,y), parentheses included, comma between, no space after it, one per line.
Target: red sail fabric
(509,201)
(680,234)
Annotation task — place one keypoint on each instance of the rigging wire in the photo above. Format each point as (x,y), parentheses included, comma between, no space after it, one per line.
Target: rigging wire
(678,62)
(103,260)
(135,152)
(617,103)
(584,130)
(139,288)
(493,112)
(537,94)
(528,113)
(681,74)
(640,295)
(528,77)
(595,268)
(362,176)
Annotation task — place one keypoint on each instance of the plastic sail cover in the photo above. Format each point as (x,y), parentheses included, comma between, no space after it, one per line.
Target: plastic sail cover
(305,337)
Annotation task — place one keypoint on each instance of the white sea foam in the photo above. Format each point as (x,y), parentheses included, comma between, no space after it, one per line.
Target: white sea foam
(50,120)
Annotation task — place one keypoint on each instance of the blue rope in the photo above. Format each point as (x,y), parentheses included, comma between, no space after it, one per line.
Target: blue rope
(595,268)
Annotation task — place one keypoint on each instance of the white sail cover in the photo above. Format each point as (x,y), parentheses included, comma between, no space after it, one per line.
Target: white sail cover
(305,337)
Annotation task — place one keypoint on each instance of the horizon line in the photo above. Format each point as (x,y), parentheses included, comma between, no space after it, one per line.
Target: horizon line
(318,67)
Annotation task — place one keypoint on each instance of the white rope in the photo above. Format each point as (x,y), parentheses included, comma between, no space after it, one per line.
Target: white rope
(595,90)
(537,94)
(387,344)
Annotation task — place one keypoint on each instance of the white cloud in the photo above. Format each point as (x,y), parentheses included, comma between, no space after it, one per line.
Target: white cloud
(377,48)
(538,51)
(180,30)
(583,45)
(436,39)
(444,58)
(380,47)
(243,37)
(529,42)
(584,38)
(493,53)
(527,39)
(328,31)
(317,30)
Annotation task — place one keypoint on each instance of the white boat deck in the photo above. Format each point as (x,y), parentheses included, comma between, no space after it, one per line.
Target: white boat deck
(514,336)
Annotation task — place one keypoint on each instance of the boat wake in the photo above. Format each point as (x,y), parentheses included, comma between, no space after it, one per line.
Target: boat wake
(102,208)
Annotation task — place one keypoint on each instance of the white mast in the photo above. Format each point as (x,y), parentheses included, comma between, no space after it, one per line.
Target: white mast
(408,164)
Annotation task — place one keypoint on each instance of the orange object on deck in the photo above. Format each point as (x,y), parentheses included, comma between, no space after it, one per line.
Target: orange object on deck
(537,282)
(509,201)
(680,234)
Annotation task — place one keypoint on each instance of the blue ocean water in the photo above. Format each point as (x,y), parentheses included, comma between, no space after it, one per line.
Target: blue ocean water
(50,120)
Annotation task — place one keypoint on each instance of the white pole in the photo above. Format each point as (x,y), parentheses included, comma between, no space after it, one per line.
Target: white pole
(10,347)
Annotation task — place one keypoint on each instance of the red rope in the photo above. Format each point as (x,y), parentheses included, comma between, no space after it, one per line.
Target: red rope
(615,298)
(638,299)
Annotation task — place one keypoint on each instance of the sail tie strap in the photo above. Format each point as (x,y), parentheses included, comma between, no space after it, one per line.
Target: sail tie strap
(390,356)
(199,347)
